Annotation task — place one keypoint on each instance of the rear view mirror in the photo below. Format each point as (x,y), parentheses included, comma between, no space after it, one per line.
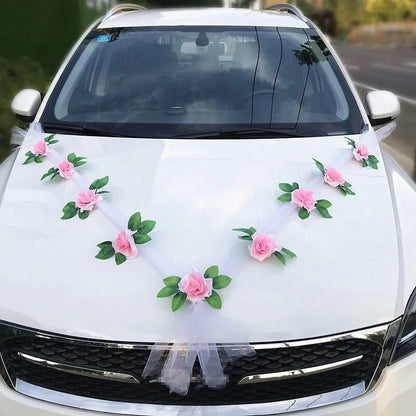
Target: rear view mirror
(382,107)
(26,104)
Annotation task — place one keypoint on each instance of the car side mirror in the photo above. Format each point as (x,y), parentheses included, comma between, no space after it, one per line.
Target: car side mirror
(26,104)
(382,107)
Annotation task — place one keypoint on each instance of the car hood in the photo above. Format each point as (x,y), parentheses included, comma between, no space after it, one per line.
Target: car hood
(345,276)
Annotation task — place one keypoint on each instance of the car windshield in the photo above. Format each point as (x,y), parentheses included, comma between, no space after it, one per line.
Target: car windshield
(190,81)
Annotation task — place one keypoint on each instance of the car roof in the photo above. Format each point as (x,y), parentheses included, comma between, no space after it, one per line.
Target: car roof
(202,17)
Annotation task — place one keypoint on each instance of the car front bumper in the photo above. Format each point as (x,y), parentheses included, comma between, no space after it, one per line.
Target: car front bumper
(394,395)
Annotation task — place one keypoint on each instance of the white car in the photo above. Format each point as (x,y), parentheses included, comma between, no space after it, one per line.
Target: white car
(206,125)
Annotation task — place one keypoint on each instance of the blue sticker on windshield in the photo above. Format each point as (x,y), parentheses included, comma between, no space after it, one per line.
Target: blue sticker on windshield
(104,38)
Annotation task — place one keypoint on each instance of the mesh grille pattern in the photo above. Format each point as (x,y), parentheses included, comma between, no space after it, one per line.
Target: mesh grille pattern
(132,361)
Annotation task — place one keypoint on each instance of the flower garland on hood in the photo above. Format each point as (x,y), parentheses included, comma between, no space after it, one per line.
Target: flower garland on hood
(197,289)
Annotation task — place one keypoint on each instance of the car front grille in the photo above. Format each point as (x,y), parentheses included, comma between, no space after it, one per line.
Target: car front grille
(112,372)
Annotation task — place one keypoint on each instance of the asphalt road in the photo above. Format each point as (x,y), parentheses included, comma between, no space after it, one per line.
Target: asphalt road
(392,69)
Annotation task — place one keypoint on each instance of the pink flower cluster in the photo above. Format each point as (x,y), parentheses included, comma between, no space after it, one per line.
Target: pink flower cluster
(263,246)
(360,153)
(124,244)
(40,148)
(334,178)
(304,199)
(196,286)
(87,200)
(66,169)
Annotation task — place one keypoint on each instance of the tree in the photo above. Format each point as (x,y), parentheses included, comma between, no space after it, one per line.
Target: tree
(390,10)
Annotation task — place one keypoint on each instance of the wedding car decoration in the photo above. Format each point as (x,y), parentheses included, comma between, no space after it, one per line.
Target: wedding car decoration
(124,246)
(263,245)
(334,178)
(86,201)
(195,287)
(65,169)
(39,149)
(174,363)
(361,154)
(304,199)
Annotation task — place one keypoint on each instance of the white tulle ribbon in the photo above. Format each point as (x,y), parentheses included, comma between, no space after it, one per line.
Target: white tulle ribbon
(173,364)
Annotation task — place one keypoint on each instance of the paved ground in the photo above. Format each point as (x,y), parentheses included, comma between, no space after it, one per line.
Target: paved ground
(392,69)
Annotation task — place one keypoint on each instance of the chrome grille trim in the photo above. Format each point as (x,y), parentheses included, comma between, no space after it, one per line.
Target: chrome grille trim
(80,371)
(383,335)
(266,378)
(131,409)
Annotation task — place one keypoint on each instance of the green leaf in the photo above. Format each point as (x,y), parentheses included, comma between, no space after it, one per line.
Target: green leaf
(347,184)
(51,171)
(245,237)
(249,231)
(141,238)
(71,157)
(29,153)
(323,203)
(49,138)
(221,281)
(172,281)
(211,272)
(373,161)
(281,257)
(214,300)
(146,226)
(364,164)
(105,244)
(99,183)
(69,210)
(28,160)
(343,189)
(285,197)
(37,159)
(53,141)
(120,258)
(83,215)
(323,211)
(134,221)
(349,191)
(320,166)
(295,185)
(350,142)
(178,300)
(167,291)
(77,164)
(286,187)
(106,252)
(288,252)
(303,213)
(103,192)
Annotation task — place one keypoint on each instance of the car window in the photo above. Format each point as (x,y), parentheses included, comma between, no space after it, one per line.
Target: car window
(168,81)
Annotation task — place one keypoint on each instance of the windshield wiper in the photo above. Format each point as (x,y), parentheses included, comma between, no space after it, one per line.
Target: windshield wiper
(237,133)
(78,128)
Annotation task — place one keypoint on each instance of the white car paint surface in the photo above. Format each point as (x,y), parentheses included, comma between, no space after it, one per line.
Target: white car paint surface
(197,191)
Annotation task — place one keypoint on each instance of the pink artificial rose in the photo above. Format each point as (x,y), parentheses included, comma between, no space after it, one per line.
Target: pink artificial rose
(124,244)
(66,169)
(40,148)
(333,177)
(87,200)
(196,286)
(263,246)
(303,199)
(360,153)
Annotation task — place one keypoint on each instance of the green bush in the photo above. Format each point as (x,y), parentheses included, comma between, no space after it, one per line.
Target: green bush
(15,75)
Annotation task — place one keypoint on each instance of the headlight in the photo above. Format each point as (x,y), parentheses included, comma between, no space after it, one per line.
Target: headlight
(406,340)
